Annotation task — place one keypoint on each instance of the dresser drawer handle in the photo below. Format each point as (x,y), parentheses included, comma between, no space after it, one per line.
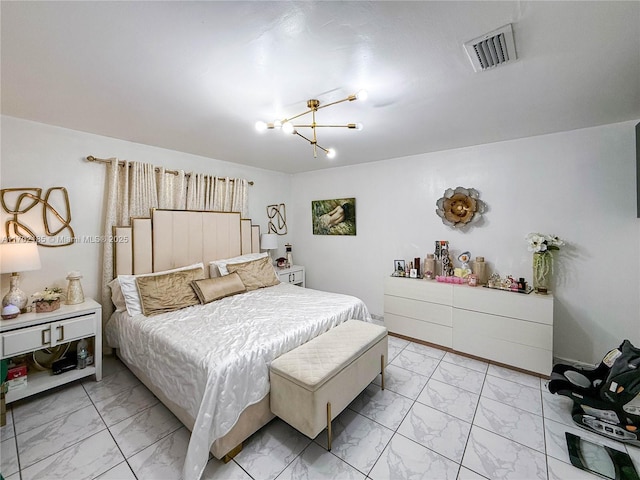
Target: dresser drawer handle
(61,338)
(44,342)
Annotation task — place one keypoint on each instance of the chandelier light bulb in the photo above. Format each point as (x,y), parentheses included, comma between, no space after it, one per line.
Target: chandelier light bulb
(331,153)
(362,95)
(287,127)
(261,126)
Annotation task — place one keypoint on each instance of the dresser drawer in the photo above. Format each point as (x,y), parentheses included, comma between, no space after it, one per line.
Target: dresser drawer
(522,344)
(473,324)
(531,307)
(421,330)
(424,290)
(425,311)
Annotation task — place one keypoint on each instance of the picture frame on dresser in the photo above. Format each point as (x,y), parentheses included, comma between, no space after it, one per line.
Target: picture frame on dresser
(398,266)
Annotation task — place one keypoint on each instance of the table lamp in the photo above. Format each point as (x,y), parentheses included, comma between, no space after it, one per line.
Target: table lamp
(269,241)
(18,257)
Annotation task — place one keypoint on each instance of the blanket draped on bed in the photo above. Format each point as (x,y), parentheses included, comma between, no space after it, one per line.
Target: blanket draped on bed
(213,360)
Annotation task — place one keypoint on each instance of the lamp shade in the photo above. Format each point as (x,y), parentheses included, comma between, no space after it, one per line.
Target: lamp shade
(19,257)
(268,241)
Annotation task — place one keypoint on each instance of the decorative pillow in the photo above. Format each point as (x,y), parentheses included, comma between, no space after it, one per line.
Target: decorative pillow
(129,289)
(222,264)
(211,289)
(168,292)
(255,274)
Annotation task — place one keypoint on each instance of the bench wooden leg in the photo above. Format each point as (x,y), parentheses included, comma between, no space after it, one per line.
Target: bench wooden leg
(382,370)
(234,451)
(329,426)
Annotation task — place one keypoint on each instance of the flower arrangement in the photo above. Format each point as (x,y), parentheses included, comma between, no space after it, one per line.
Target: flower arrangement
(48,300)
(540,242)
(48,295)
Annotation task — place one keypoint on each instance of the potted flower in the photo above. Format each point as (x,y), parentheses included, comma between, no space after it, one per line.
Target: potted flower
(541,245)
(48,300)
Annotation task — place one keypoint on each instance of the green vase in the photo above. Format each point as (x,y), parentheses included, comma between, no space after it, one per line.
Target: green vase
(542,266)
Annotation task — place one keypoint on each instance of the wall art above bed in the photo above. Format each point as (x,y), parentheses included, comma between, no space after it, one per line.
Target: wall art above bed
(334,217)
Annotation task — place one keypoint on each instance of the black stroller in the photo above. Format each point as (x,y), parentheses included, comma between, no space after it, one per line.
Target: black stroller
(606,399)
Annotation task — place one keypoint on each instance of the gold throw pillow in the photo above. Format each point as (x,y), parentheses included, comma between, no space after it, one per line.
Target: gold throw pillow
(211,289)
(168,292)
(255,274)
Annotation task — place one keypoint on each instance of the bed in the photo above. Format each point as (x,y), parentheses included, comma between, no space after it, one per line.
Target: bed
(209,364)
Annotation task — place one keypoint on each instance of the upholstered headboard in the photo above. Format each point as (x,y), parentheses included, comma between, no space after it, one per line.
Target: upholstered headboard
(174,238)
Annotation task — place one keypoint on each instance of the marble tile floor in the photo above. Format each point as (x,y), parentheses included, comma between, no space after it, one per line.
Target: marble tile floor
(442,416)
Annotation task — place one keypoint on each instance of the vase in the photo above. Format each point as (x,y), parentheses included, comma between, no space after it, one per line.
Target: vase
(45,306)
(542,263)
(75,294)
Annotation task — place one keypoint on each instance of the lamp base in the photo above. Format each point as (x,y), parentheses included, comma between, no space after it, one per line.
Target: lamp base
(16,296)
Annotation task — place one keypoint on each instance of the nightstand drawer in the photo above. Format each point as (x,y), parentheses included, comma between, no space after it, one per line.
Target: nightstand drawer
(26,340)
(75,329)
(293,275)
(48,335)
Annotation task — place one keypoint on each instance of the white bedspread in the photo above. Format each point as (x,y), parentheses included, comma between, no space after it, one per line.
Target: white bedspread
(213,360)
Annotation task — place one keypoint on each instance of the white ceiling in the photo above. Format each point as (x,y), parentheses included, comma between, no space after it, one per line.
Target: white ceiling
(195,76)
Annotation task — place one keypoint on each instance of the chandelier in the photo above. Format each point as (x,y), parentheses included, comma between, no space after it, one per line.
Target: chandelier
(313,106)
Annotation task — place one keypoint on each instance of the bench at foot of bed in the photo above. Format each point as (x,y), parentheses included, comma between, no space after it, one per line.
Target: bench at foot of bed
(312,384)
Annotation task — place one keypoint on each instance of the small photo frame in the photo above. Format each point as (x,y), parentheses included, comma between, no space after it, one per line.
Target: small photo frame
(413,273)
(398,266)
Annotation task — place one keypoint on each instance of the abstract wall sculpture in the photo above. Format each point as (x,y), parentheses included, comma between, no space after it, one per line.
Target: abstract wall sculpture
(460,208)
(19,203)
(277,219)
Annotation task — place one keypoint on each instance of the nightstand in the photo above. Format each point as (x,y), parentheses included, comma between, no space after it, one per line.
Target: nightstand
(33,331)
(294,274)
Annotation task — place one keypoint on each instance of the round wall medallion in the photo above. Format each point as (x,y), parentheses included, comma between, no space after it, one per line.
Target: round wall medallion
(460,207)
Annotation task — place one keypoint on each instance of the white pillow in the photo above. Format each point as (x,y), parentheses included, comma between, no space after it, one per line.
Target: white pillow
(129,289)
(221,265)
(116,295)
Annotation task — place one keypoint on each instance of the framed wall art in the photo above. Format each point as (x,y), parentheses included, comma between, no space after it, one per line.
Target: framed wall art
(334,217)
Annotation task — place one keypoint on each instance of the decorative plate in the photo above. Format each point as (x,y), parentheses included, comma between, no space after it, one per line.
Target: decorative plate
(460,207)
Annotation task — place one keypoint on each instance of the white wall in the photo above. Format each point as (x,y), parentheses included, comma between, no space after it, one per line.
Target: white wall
(579,185)
(39,155)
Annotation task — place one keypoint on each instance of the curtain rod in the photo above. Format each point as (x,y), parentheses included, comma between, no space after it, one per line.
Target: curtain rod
(91,158)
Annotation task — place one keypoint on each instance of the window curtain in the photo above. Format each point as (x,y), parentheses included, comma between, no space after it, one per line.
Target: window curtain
(172,189)
(205,192)
(134,188)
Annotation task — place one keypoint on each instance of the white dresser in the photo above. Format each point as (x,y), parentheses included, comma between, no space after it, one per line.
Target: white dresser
(505,327)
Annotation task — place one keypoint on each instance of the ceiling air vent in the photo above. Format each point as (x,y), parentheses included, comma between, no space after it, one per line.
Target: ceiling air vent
(491,49)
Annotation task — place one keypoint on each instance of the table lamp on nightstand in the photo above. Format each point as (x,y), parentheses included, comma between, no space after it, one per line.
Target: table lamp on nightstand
(269,241)
(18,257)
